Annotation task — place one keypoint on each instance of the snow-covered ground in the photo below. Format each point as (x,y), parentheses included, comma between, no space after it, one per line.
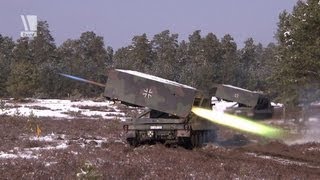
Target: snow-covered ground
(317,103)
(57,108)
(88,109)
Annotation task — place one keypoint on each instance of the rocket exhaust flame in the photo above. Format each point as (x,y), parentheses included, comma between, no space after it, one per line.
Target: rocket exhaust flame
(238,123)
(83,80)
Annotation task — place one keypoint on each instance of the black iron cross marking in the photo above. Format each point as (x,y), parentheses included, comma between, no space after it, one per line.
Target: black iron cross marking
(147,93)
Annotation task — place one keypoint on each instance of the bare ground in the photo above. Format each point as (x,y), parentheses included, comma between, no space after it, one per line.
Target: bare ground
(84,149)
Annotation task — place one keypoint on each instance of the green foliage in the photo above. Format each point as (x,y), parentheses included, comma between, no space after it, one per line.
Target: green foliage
(230,60)
(88,172)
(85,57)
(165,63)
(23,80)
(201,68)
(44,50)
(121,58)
(6,56)
(32,69)
(250,67)
(109,59)
(200,62)
(288,71)
(137,56)
(298,58)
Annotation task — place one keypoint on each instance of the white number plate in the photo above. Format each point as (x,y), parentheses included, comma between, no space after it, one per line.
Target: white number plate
(155,127)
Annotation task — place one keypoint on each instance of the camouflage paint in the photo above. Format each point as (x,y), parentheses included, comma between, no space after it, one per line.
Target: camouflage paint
(150,91)
(236,94)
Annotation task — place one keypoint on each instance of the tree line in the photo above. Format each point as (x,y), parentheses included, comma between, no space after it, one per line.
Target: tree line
(289,71)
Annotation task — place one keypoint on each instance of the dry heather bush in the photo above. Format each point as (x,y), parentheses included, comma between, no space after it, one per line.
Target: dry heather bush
(88,171)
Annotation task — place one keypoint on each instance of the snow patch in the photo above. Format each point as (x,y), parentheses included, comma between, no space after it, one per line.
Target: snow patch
(317,103)
(62,146)
(47,164)
(48,138)
(282,160)
(276,104)
(313,149)
(221,106)
(286,34)
(62,109)
(4,155)
(24,155)
(313,119)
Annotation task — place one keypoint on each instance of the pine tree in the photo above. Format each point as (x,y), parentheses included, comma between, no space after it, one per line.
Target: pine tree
(85,57)
(137,56)
(121,58)
(298,58)
(109,59)
(33,69)
(266,69)
(69,63)
(247,64)
(23,79)
(141,53)
(45,60)
(203,61)
(182,58)
(6,56)
(213,58)
(230,60)
(195,61)
(165,48)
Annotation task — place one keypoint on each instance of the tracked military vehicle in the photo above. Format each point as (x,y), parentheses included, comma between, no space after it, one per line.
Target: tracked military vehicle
(247,103)
(167,117)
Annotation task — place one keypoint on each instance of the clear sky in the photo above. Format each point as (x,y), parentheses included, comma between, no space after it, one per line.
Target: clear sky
(119,20)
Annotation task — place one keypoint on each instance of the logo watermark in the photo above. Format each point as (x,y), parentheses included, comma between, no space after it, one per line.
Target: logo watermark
(30,23)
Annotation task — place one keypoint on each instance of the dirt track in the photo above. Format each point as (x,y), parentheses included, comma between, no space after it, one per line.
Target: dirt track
(80,148)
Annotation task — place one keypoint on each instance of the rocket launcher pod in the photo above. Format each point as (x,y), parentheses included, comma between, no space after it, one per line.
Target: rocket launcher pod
(145,90)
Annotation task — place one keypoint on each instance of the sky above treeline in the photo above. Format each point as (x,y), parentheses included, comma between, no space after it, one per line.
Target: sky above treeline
(117,21)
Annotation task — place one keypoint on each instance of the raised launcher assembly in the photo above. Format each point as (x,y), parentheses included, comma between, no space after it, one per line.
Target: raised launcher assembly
(167,118)
(248,103)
